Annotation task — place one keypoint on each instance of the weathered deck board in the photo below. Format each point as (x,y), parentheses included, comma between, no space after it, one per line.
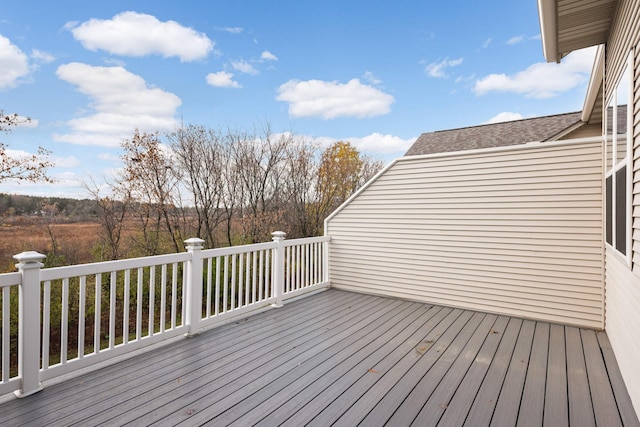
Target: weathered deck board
(464,378)
(531,414)
(508,403)
(486,398)
(604,404)
(445,374)
(343,358)
(368,374)
(556,406)
(580,405)
(390,389)
(627,414)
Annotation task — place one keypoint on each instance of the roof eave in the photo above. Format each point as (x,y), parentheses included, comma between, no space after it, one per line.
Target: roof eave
(547,10)
(595,84)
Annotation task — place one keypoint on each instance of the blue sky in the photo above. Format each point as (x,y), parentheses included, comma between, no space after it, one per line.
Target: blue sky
(375,73)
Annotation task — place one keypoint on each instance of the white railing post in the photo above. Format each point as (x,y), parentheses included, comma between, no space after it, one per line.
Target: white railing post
(194,285)
(278,267)
(29,266)
(325,261)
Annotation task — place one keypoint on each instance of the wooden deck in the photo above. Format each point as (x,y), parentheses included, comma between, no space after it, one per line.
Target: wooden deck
(343,358)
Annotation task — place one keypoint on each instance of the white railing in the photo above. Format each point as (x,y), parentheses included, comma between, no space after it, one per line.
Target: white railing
(305,265)
(74,317)
(114,307)
(9,284)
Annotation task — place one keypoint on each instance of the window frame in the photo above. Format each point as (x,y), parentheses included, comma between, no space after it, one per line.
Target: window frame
(611,186)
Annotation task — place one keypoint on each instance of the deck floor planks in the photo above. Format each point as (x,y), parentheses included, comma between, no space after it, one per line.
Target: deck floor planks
(458,356)
(134,397)
(347,357)
(625,406)
(108,381)
(580,407)
(438,357)
(319,359)
(180,375)
(531,413)
(254,408)
(249,366)
(508,404)
(353,382)
(261,379)
(461,383)
(477,394)
(602,399)
(286,402)
(390,387)
(556,406)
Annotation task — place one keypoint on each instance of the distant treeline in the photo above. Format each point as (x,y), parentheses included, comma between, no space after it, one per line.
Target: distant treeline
(14,205)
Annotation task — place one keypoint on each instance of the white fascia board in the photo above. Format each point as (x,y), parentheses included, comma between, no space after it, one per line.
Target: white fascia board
(595,82)
(547,12)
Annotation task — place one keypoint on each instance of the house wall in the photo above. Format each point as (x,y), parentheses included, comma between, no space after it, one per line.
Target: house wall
(586,131)
(622,289)
(512,230)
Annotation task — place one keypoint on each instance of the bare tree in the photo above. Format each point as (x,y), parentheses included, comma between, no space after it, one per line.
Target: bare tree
(231,200)
(259,163)
(32,168)
(300,186)
(112,211)
(201,157)
(150,178)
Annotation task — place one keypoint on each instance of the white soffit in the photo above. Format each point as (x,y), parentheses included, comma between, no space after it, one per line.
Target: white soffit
(568,25)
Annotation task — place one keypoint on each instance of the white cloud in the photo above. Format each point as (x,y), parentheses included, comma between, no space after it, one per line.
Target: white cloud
(437,69)
(375,144)
(522,38)
(368,76)
(137,34)
(329,100)
(42,57)
(268,56)
(222,79)
(244,67)
(109,157)
(231,30)
(65,162)
(121,101)
(382,144)
(515,40)
(487,43)
(114,62)
(505,116)
(541,80)
(13,64)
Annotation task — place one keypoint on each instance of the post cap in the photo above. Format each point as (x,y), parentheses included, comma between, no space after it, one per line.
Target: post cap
(278,235)
(29,257)
(194,242)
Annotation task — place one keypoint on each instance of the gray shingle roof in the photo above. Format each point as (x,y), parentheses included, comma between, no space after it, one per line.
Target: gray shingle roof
(494,135)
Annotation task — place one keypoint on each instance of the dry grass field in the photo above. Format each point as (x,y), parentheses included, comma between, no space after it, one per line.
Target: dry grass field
(74,241)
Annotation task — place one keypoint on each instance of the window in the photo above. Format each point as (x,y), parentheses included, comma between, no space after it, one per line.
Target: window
(618,171)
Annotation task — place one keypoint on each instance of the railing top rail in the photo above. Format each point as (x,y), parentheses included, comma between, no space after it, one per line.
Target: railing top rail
(304,241)
(210,253)
(109,266)
(10,279)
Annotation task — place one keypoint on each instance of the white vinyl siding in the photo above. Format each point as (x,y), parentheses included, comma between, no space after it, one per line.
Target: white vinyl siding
(514,230)
(623,321)
(622,285)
